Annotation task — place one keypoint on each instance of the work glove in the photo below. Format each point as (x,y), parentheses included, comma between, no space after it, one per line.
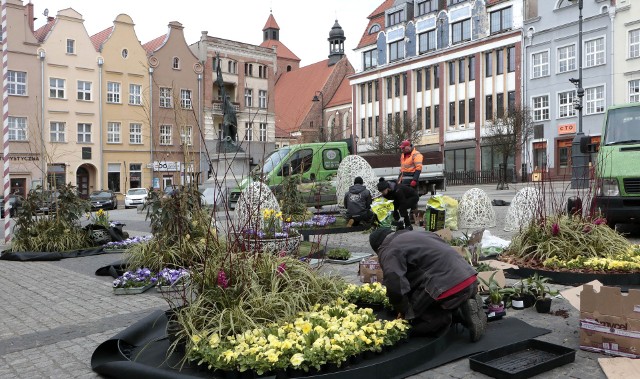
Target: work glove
(413,183)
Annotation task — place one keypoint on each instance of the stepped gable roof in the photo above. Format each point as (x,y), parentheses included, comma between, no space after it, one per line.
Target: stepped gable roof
(98,39)
(281,50)
(376,17)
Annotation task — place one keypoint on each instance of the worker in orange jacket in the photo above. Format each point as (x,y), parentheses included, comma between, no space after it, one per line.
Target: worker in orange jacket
(410,169)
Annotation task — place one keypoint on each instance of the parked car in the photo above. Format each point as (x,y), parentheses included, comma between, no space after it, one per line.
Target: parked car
(105,199)
(135,197)
(15,202)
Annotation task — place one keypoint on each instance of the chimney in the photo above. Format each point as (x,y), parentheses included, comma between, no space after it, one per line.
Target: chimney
(30,18)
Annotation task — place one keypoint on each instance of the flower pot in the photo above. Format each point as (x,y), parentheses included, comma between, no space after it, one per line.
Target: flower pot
(173,288)
(495,308)
(131,290)
(517,302)
(543,305)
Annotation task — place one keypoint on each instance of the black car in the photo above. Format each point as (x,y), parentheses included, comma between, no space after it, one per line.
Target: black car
(105,199)
(15,201)
(46,201)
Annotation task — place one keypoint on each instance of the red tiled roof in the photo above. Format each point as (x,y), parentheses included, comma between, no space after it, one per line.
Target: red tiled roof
(376,17)
(98,39)
(41,32)
(281,50)
(342,95)
(155,43)
(271,23)
(294,91)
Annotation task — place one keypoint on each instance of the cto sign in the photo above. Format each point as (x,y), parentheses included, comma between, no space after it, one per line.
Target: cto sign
(166,166)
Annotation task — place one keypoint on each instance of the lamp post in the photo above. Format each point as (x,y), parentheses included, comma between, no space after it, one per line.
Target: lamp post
(321,100)
(579,160)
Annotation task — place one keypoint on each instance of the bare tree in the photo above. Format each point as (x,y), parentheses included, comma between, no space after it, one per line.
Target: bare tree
(389,136)
(508,135)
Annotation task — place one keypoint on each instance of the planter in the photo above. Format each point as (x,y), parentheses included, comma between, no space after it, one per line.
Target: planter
(131,290)
(495,308)
(271,245)
(543,305)
(115,250)
(522,302)
(172,288)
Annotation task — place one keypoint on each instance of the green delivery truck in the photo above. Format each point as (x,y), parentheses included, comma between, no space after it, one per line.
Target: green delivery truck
(617,171)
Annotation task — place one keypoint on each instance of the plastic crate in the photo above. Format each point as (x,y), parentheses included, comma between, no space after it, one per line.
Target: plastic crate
(522,360)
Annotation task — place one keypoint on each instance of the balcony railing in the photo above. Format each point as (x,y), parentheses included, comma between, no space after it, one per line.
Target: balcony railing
(216,106)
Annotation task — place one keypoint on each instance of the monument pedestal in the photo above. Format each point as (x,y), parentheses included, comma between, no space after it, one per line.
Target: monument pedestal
(228,170)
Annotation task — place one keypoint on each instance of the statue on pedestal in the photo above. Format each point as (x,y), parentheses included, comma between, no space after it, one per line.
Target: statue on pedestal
(229,141)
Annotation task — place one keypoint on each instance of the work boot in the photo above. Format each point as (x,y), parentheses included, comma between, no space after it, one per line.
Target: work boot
(474,317)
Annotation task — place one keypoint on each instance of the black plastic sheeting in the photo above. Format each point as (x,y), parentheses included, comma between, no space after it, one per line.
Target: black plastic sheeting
(27,256)
(577,278)
(141,351)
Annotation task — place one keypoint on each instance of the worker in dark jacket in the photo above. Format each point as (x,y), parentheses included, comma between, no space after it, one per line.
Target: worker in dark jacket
(357,201)
(428,282)
(404,198)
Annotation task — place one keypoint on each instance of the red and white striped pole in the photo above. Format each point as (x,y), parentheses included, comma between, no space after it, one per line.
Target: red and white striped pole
(5,125)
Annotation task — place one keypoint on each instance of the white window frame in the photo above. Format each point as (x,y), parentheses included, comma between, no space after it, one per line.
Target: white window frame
(248,97)
(135,94)
(598,57)
(135,133)
(634,91)
(175,63)
(84,90)
(541,65)
(84,132)
(263,132)
(17,81)
(185,98)
(634,43)
(463,37)
(165,97)
(186,135)
(594,99)
(57,131)
(113,92)
(569,61)
(57,88)
(165,135)
(248,131)
(567,106)
(262,99)
(539,112)
(17,128)
(71,46)
(113,132)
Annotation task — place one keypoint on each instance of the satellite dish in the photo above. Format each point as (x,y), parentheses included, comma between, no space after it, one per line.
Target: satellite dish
(46,12)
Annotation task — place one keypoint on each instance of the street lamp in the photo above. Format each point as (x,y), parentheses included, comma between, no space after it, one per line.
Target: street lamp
(579,160)
(321,100)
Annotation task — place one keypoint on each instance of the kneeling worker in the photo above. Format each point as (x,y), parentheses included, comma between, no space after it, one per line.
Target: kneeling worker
(428,282)
(357,201)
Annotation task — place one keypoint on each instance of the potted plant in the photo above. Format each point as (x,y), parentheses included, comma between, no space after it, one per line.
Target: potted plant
(541,290)
(519,296)
(134,282)
(170,280)
(495,299)
(339,254)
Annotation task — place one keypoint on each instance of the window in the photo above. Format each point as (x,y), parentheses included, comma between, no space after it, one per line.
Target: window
(185,98)
(460,159)
(634,43)
(113,132)
(427,41)
(594,52)
(135,175)
(501,20)
(452,113)
(248,97)
(113,176)
(396,91)
(436,76)
(71,46)
(488,107)
(565,104)
(262,99)
(17,128)
(499,62)
(248,69)
(232,67)
(451,2)
(369,92)
(461,31)
(540,64)
(135,94)
(389,90)
(165,134)
(436,116)
(375,28)
(370,127)
(419,118)
(185,135)
(461,112)
(634,91)
(395,18)
(461,64)
(564,153)
(262,72)
(427,79)
(396,50)
(511,101)
(362,99)
(113,92)
(404,83)
(472,68)
(370,59)
(428,6)
(500,105)
(376,126)
(166,100)
(566,58)
(263,132)
(375,89)
(594,100)
(135,134)
(176,63)
(452,72)
(84,133)
(124,53)
(362,128)
(488,64)
(472,110)
(540,108)
(56,133)
(17,83)
(511,59)
(418,80)
(84,90)
(427,117)
(56,88)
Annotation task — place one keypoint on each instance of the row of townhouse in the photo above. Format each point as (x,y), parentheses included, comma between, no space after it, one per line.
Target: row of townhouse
(108,112)
(453,66)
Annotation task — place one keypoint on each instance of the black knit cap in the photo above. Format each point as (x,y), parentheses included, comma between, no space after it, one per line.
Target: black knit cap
(376,238)
(383,185)
(358,180)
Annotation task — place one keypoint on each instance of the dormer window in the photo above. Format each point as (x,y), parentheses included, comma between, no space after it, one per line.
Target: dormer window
(375,28)
(395,18)
(176,63)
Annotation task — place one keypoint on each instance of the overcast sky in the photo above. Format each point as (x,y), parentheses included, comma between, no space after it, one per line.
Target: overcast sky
(304,25)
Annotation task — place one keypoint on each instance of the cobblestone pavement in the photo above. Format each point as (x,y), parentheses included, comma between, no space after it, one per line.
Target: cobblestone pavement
(54,314)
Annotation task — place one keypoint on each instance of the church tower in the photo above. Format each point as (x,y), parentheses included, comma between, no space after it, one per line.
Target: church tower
(336,44)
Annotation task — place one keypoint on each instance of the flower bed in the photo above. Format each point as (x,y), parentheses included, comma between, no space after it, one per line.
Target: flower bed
(127,243)
(317,221)
(326,334)
(368,294)
(133,282)
(171,279)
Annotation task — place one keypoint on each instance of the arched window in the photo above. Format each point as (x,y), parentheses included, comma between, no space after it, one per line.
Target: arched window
(375,28)
(176,63)
(288,68)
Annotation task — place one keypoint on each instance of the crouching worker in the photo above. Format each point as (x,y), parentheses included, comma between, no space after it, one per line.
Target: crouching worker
(357,201)
(428,283)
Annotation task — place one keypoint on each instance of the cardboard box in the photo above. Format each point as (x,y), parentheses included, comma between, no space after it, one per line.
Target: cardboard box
(610,321)
(486,275)
(369,270)
(445,234)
